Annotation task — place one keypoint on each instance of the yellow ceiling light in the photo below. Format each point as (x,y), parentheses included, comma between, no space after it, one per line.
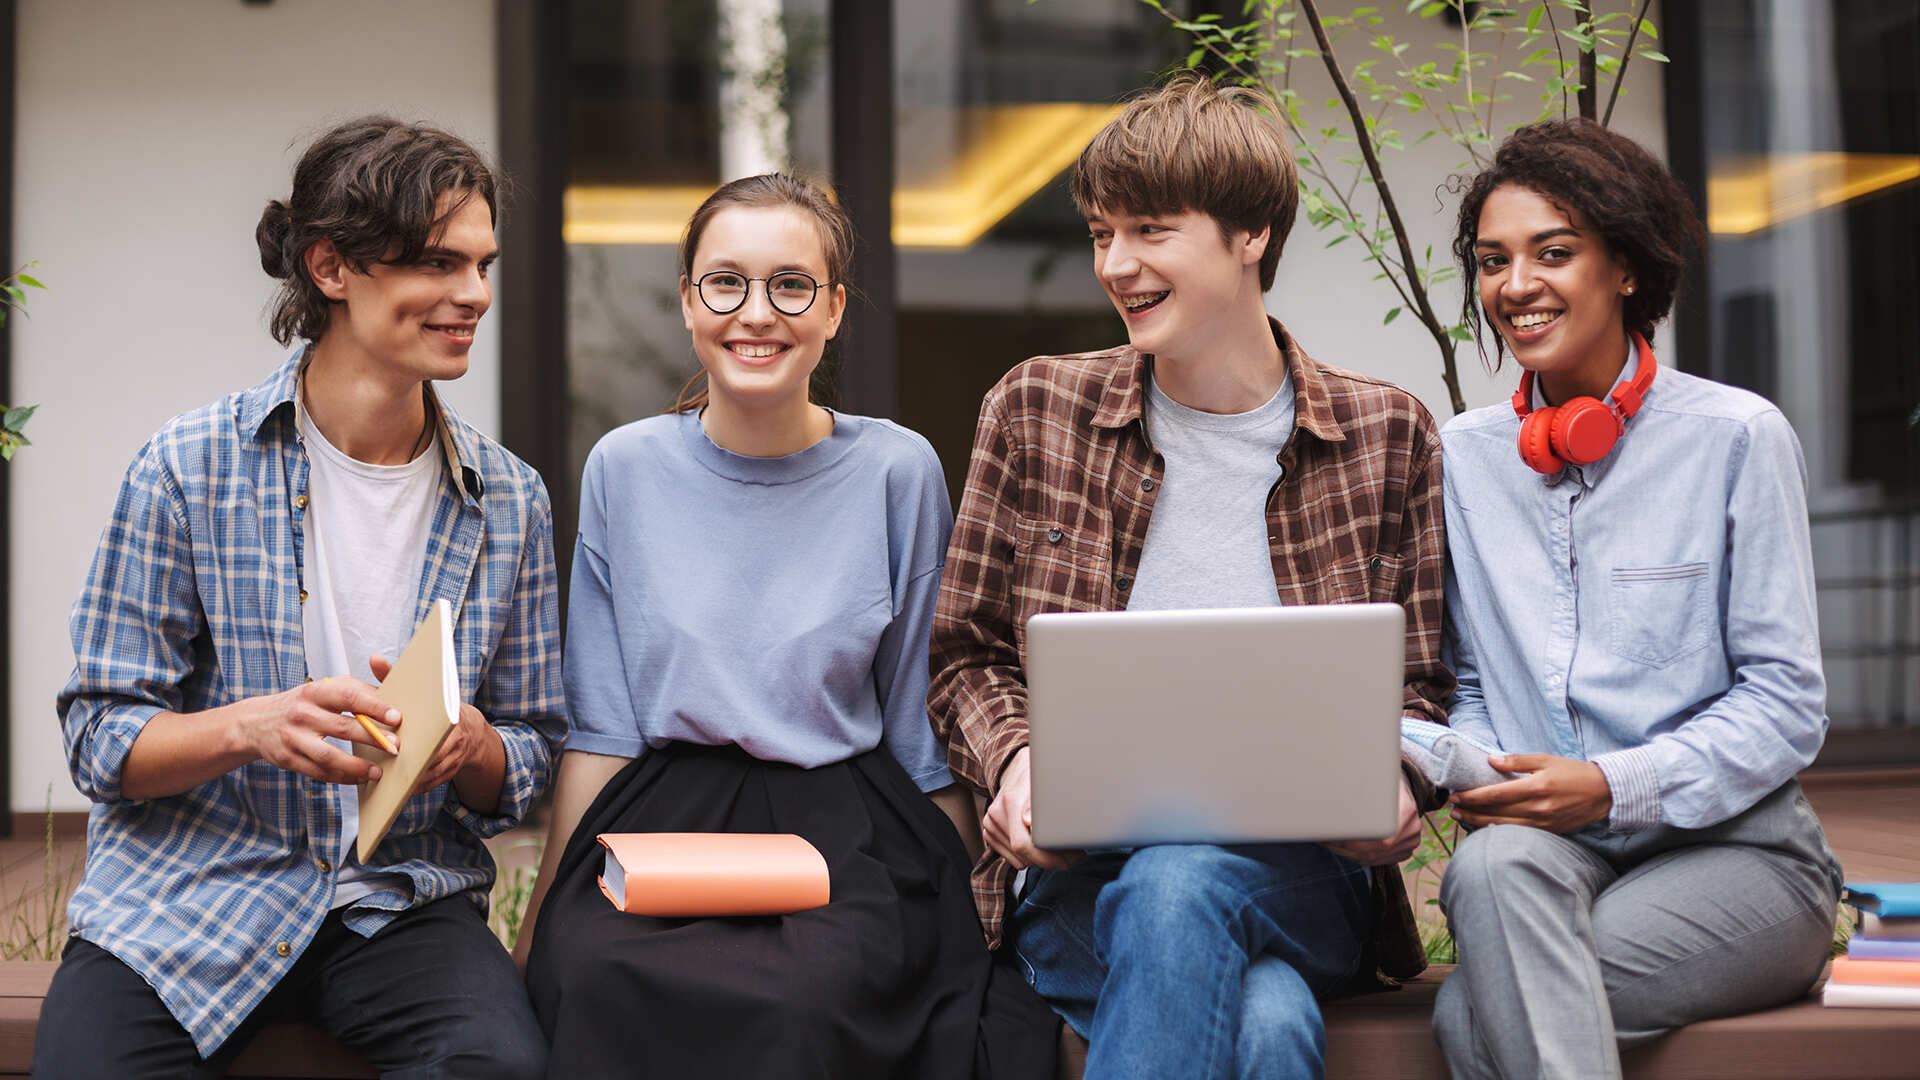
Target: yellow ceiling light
(1010,152)
(616,214)
(1747,195)
(1013,151)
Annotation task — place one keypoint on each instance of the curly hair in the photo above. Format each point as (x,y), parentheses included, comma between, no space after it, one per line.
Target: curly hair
(1630,199)
(372,186)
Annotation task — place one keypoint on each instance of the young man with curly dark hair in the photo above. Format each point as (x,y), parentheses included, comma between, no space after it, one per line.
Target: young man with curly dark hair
(266,554)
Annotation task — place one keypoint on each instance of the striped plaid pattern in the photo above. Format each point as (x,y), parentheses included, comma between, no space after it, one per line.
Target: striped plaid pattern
(193,601)
(1054,517)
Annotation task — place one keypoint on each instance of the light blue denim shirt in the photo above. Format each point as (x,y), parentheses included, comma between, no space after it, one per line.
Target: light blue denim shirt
(1652,612)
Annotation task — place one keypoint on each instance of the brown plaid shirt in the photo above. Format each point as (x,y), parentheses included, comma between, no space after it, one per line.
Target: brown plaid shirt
(1054,517)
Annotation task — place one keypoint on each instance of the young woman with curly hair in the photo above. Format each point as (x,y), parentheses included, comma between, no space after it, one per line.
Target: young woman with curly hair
(1631,618)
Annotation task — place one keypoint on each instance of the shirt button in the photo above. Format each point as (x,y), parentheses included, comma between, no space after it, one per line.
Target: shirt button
(1375,563)
(299,502)
(283,949)
(1553,680)
(303,596)
(326,867)
(1054,536)
(1123,583)
(1147,484)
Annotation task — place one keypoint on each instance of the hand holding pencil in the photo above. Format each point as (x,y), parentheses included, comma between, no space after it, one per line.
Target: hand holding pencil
(291,729)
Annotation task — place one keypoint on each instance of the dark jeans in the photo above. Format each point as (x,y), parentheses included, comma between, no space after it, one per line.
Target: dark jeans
(431,995)
(1196,961)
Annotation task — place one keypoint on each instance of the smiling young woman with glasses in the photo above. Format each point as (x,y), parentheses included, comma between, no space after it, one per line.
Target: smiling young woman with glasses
(752,596)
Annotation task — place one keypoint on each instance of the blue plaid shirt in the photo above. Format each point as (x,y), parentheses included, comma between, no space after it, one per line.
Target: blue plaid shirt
(193,602)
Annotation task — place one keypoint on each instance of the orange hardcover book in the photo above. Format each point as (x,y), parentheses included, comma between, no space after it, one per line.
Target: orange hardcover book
(1852,972)
(695,875)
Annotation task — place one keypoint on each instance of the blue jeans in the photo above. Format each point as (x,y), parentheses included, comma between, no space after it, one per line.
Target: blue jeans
(1194,960)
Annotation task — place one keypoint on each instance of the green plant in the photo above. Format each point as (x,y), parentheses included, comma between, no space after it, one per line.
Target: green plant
(1451,89)
(1423,873)
(36,927)
(513,887)
(13,297)
(1843,928)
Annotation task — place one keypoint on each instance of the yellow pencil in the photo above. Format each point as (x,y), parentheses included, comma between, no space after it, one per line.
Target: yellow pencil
(379,736)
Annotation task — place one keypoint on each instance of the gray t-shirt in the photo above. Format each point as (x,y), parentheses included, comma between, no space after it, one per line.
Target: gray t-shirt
(1206,543)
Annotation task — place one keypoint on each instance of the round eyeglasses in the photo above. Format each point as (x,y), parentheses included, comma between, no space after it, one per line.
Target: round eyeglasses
(789,291)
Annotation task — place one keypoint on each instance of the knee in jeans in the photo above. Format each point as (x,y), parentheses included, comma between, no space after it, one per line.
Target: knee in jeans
(1173,884)
(1279,1018)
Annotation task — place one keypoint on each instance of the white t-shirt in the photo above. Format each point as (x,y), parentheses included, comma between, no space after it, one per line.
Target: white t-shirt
(366,539)
(1206,544)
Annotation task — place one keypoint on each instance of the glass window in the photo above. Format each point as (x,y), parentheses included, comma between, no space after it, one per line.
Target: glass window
(1812,127)
(994,101)
(665,99)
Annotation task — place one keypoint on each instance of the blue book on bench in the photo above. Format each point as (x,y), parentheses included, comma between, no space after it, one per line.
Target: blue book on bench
(1862,948)
(1889,901)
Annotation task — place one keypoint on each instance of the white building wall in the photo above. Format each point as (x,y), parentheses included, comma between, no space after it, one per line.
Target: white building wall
(150,136)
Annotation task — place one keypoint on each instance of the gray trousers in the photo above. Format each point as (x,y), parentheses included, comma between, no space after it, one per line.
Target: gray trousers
(1573,948)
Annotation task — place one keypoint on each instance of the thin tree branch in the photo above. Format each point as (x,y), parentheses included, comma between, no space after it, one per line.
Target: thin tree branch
(1414,285)
(1493,92)
(1560,58)
(1589,69)
(1466,58)
(1620,76)
(1313,168)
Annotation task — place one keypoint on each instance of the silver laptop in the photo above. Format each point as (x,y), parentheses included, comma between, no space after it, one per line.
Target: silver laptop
(1236,725)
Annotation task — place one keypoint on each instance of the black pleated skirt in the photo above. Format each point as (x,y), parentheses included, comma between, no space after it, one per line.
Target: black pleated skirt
(890,979)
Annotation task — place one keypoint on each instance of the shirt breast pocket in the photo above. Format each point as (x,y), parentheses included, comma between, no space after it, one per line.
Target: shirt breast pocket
(1058,568)
(1658,614)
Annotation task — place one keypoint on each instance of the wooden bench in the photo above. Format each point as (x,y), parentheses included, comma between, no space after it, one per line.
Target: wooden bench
(1390,1035)
(280,1051)
(1373,1035)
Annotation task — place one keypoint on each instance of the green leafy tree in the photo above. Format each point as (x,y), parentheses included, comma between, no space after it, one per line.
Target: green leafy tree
(1520,61)
(13,297)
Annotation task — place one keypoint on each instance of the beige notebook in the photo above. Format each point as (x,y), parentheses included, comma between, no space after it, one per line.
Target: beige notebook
(425,686)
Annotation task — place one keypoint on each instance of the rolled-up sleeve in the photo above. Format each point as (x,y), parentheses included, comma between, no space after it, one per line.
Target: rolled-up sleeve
(133,628)
(521,693)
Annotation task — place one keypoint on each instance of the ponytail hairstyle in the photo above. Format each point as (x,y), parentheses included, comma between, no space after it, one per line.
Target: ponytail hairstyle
(372,186)
(771,190)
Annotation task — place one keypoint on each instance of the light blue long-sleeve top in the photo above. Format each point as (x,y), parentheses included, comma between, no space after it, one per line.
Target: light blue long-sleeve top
(782,605)
(1652,612)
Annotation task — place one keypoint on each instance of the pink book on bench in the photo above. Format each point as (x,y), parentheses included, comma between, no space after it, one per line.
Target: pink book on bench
(696,875)
(1856,972)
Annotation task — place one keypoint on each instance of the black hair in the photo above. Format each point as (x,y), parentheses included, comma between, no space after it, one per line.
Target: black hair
(1630,199)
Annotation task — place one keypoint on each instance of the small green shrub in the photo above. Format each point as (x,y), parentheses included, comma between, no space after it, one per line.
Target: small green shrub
(36,927)
(1423,873)
(513,887)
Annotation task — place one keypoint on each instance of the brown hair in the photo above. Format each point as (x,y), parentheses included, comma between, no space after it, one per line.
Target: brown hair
(1638,208)
(771,190)
(1191,145)
(372,186)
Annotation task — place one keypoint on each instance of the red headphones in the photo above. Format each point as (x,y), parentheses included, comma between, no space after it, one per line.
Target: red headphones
(1583,430)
